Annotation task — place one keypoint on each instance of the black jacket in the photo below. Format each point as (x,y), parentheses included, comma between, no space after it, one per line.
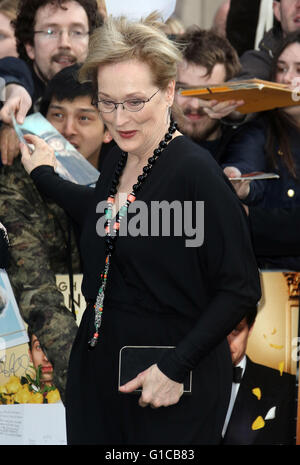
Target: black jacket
(16,71)
(276,391)
(257,63)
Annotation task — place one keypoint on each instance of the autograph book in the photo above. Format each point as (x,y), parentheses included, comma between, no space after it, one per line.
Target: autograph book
(257,94)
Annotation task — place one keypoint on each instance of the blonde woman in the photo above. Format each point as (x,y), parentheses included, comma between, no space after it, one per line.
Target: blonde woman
(150,283)
(8,10)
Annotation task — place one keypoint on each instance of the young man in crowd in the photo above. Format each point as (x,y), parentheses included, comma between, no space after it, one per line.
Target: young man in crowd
(42,238)
(67,106)
(51,35)
(208,59)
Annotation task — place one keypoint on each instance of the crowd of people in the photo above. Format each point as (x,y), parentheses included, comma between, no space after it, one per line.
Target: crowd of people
(111,87)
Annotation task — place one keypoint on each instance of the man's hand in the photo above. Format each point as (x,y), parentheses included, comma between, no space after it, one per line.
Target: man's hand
(18,102)
(219,110)
(242,188)
(157,389)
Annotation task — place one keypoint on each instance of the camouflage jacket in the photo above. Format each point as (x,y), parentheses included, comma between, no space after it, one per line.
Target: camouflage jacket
(38,235)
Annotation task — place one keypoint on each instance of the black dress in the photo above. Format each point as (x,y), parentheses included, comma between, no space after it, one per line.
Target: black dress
(160,292)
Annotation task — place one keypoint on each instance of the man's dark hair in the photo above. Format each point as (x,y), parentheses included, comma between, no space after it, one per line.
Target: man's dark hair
(206,48)
(25,21)
(65,86)
(29,334)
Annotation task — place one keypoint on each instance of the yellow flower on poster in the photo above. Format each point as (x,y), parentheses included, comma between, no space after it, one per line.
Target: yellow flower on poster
(26,390)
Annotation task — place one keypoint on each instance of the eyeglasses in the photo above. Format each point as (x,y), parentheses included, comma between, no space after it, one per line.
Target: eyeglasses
(134,104)
(53,34)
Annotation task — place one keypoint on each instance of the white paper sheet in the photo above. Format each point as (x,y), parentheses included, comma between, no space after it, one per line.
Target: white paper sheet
(136,10)
(33,424)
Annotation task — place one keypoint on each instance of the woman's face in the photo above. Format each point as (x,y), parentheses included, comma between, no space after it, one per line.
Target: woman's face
(288,72)
(134,132)
(7,38)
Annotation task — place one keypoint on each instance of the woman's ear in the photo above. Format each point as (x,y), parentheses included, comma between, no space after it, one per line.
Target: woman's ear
(170,92)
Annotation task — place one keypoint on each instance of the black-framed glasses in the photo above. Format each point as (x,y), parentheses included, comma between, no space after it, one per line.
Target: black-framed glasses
(133,104)
(53,34)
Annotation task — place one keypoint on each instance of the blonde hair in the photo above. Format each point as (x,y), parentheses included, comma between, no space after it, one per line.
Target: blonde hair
(173,26)
(9,8)
(121,40)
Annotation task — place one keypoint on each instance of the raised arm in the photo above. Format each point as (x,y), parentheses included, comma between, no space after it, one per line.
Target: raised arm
(40,164)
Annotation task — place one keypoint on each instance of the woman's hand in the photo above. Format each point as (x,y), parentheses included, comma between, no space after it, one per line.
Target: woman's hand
(43,154)
(157,389)
(242,188)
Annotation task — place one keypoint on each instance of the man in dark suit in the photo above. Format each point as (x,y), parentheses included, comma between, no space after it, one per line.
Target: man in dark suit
(262,407)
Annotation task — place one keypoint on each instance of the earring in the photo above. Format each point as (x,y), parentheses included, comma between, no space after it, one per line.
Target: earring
(168,115)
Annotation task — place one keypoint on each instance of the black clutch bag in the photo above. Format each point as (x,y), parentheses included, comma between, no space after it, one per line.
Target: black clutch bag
(135,359)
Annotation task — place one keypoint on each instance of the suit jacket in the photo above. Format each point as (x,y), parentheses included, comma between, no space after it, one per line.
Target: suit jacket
(276,231)
(276,391)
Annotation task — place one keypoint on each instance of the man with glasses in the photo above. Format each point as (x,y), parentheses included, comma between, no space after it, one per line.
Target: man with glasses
(54,34)
(50,36)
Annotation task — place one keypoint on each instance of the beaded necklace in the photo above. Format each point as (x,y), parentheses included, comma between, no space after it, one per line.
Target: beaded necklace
(110,237)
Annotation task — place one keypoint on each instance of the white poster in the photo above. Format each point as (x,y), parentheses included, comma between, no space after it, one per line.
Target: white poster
(12,328)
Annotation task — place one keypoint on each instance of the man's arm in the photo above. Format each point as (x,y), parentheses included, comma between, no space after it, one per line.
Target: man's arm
(16,97)
(15,71)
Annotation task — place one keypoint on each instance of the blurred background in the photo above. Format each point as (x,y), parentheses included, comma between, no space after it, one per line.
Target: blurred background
(200,12)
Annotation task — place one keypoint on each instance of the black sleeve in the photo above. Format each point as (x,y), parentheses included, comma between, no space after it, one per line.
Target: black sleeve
(73,198)
(230,269)
(276,232)
(15,71)
(255,64)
